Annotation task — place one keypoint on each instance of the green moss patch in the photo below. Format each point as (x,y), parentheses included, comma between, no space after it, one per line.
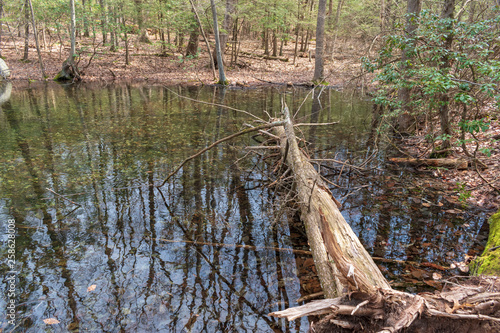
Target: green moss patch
(489,262)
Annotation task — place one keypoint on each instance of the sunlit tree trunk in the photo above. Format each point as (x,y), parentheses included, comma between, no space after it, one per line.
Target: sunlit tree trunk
(72,53)
(1,15)
(319,70)
(195,12)
(36,40)
(222,75)
(69,69)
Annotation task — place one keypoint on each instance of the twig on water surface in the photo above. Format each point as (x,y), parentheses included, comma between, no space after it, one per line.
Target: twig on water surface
(62,196)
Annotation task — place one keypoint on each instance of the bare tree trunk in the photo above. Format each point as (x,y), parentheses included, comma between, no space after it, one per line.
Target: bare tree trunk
(36,41)
(336,24)
(266,41)
(26,30)
(192,46)
(222,75)
(319,70)
(275,44)
(72,53)
(1,23)
(227,24)
(143,38)
(69,69)
(104,20)
(382,15)
(329,30)
(125,37)
(212,64)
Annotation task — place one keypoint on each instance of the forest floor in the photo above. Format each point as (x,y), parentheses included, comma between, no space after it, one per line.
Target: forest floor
(479,188)
(145,64)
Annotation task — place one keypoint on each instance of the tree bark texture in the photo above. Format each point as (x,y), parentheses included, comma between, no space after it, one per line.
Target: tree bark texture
(329,235)
(42,69)
(72,52)
(195,12)
(26,29)
(319,70)
(1,23)
(104,20)
(227,24)
(192,47)
(222,75)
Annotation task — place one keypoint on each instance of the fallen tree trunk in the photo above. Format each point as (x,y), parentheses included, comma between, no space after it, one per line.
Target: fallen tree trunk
(329,235)
(266,57)
(454,163)
(371,306)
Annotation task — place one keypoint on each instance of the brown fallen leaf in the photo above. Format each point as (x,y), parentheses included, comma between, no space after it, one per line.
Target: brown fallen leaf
(437,276)
(51,321)
(91,288)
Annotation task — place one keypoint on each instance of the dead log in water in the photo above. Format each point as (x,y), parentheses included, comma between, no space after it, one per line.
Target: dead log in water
(329,235)
(371,306)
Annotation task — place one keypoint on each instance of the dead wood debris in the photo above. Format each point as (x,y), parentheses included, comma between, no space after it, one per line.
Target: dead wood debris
(474,305)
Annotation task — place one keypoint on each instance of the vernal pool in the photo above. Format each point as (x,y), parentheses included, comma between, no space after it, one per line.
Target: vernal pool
(99,248)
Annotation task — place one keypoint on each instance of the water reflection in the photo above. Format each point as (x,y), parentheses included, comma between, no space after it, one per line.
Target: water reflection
(163,259)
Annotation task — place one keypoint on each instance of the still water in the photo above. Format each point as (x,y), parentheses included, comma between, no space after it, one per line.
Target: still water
(100,248)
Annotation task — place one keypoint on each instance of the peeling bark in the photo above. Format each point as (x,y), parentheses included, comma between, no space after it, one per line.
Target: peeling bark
(329,235)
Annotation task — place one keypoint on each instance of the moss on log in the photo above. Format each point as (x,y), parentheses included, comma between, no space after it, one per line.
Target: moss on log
(489,262)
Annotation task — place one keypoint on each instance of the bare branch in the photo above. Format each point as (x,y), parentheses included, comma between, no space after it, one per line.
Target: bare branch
(247,130)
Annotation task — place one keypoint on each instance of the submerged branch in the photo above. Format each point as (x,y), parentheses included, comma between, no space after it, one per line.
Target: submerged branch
(236,246)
